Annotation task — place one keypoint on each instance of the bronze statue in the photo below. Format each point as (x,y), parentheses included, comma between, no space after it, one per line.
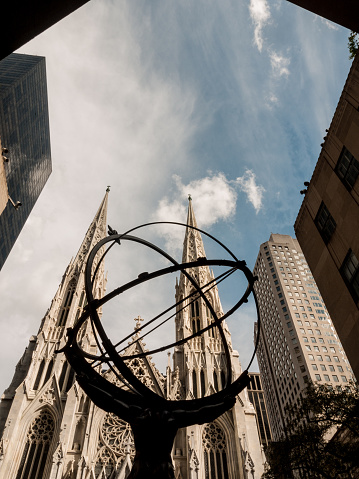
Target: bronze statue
(149,414)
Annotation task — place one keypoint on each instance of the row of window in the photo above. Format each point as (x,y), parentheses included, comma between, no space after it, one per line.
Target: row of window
(350,267)
(324,368)
(347,170)
(327,378)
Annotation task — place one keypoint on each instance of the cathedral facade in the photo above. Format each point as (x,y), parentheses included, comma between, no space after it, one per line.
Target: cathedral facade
(50,429)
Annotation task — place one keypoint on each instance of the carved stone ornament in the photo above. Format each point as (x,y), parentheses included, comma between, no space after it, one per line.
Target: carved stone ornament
(48,397)
(117,435)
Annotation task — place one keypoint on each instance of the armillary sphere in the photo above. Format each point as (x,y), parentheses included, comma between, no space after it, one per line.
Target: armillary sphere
(149,414)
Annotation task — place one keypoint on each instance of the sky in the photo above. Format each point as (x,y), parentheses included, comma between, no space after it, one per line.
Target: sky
(227,101)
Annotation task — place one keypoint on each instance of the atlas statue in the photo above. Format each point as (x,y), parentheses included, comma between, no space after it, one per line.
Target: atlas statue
(149,414)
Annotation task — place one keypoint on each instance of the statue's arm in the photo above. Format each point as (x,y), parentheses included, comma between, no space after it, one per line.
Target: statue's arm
(203,414)
(118,404)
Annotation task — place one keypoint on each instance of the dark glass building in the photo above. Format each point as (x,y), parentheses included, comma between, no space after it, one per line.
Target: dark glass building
(24,132)
(256,396)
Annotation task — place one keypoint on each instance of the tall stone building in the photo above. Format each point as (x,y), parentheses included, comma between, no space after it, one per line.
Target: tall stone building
(51,430)
(25,134)
(327,226)
(257,398)
(298,341)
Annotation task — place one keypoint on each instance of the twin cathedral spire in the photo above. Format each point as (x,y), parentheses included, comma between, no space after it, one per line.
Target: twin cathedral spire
(49,428)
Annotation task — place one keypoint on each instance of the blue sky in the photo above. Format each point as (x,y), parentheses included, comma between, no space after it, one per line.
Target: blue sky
(228,101)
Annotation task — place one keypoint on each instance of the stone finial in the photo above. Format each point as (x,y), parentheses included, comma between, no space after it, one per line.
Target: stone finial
(138,323)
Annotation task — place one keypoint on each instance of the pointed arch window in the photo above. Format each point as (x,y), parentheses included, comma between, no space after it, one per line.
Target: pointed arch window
(215,380)
(70,379)
(66,306)
(36,451)
(62,375)
(66,377)
(203,383)
(81,305)
(49,370)
(194,383)
(39,375)
(215,452)
(223,379)
(105,465)
(195,319)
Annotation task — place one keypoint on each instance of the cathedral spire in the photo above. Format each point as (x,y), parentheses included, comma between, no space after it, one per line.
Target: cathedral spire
(95,232)
(191,219)
(192,245)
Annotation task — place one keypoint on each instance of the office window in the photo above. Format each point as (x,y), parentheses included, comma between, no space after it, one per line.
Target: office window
(326,377)
(317,377)
(335,378)
(325,223)
(315,367)
(347,168)
(350,273)
(323,368)
(344,379)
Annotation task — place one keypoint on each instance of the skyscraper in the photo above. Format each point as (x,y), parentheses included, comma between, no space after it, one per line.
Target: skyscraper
(24,132)
(298,341)
(50,429)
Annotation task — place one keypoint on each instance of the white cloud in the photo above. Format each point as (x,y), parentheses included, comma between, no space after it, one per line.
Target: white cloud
(214,199)
(260,14)
(254,192)
(279,64)
(330,25)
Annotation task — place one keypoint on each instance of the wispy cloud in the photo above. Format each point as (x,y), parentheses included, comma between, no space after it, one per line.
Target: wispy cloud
(330,25)
(279,64)
(254,192)
(260,14)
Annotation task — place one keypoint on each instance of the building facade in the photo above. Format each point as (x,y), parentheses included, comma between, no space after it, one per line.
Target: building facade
(25,134)
(327,226)
(257,398)
(50,430)
(298,341)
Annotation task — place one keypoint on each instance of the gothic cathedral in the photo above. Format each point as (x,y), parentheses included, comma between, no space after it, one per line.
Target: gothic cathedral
(49,428)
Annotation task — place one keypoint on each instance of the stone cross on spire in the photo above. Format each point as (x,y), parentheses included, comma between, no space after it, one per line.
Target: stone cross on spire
(138,322)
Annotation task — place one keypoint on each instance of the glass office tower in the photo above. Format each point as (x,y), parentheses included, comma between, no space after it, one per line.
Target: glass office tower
(24,132)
